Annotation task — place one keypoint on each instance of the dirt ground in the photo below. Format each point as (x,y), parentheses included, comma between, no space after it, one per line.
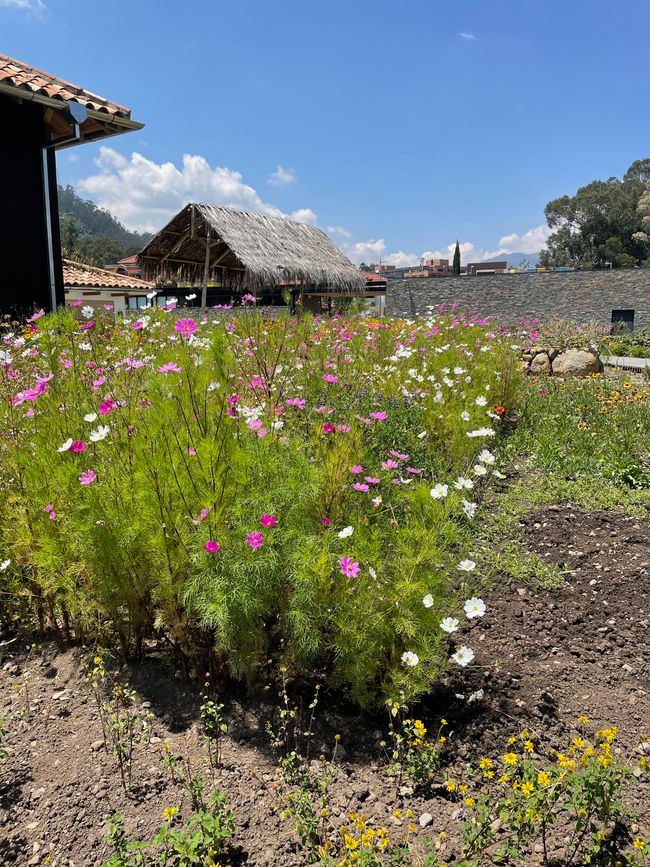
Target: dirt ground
(543,657)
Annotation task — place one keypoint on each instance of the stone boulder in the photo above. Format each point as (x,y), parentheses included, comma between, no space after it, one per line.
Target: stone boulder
(541,364)
(577,362)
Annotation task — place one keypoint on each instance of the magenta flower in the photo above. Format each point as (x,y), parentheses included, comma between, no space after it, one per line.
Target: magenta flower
(330,377)
(36,316)
(186,326)
(49,507)
(356,469)
(328,428)
(268,520)
(255,540)
(255,424)
(86,325)
(389,465)
(358,486)
(106,407)
(137,326)
(348,567)
(344,428)
(88,477)
(325,521)
(398,455)
(378,416)
(169,367)
(372,481)
(211,547)
(78,446)
(192,452)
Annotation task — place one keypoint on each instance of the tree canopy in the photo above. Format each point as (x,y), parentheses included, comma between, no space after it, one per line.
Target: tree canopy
(601,225)
(91,234)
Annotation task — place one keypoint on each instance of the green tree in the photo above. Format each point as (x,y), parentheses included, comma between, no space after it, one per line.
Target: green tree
(455,266)
(600,225)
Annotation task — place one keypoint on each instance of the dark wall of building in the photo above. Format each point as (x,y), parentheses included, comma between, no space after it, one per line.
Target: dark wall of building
(578,295)
(24,249)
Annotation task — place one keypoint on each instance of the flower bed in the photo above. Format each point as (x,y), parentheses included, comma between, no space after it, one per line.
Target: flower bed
(253,489)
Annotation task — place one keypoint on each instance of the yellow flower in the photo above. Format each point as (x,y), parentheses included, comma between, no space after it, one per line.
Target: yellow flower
(528,746)
(527,788)
(420,728)
(504,779)
(169,813)
(485,763)
(469,802)
(578,743)
(639,843)
(351,843)
(510,758)
(450,785)
(512,740)
(543,779)
(605,761)
(443,722)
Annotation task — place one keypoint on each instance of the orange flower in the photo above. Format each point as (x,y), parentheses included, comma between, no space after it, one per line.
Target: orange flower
(499,410)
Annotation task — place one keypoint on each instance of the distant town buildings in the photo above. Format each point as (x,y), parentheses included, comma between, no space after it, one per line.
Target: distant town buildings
(438,268)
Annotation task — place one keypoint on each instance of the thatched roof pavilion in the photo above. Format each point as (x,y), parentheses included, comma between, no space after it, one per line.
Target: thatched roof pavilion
(247,251)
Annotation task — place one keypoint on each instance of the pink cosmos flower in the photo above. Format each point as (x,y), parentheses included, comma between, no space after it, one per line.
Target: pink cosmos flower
(52,516)
(298,402)
(49,507)
(88,477)
(255,424)
(108,306)
(78,446)
(344,428)
(328,428)
(372,481)
(106,407)
(86,325)
(186,326)
(137,326)
(378,416)
(413,471)
(358,486)
(74,303)
(325,521)
(349,567)
(192,452)
(399,456)
(262,432)
(211,547)
(389,465)
(330,377)
(255,540)
(268,520)
(36,316)
(203,514)
(356,469)
(248,299)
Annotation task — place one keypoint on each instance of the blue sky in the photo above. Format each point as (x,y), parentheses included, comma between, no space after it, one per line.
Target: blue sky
(398,127)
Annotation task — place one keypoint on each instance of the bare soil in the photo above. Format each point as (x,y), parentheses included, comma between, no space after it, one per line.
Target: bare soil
(544,657)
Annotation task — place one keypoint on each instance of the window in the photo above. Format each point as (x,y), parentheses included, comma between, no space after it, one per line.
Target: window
(622,321)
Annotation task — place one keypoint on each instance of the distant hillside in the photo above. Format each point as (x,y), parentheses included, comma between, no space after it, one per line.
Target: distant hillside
(92,234)
(515,259)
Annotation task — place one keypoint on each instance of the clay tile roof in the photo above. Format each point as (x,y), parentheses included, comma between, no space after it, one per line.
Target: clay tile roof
(76,274)
(24,77)
(372,277)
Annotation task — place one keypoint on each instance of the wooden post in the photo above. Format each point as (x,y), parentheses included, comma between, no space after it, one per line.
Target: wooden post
(206,272)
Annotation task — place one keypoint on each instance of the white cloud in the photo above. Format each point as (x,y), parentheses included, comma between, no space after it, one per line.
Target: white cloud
(144,194)
(304,215)
(34,8)
(281,177)
(531,241)
(340,231)
(468,37)
(364,250)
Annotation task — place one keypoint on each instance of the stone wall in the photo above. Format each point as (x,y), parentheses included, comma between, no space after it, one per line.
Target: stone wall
(577,295)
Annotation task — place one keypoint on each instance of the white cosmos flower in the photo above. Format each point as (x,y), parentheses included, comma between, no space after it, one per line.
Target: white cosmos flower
(449,624)
(409,658)
(497,474)
(153,294)
(190,297)
(5,356)
(438,491)
(99,433)
(463,656)
(372,573)
(463,484)
(469,508)
(486,457)
(4,565)
(474,607)
(346,532)
(466,566)
(87,311)
(66,445)
(91,417)
(481,432)
(479,470)
(428,601)
(458,371)
(464,415)
(481,401)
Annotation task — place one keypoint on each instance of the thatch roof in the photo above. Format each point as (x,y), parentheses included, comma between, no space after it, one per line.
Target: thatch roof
(248,250)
